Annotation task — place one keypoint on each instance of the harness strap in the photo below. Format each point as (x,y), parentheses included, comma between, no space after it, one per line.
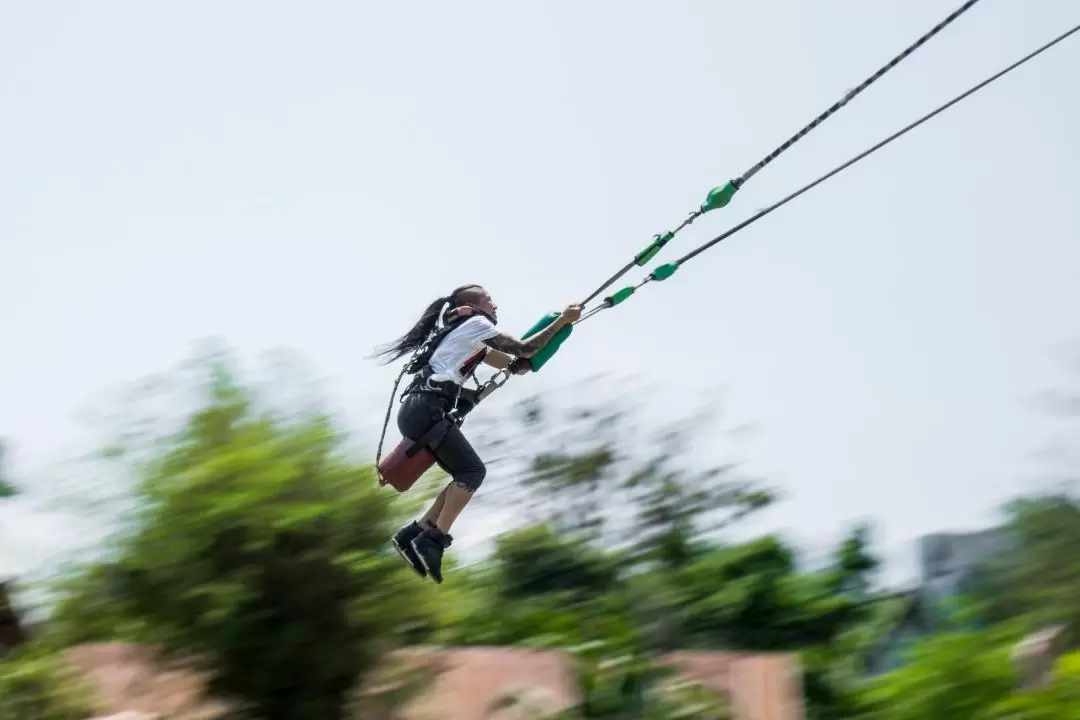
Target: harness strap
(433,437)
(468,369)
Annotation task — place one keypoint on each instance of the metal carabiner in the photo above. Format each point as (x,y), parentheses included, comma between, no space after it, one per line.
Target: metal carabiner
(493,384)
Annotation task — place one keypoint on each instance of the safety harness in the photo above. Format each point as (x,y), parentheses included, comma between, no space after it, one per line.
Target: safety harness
(462,400)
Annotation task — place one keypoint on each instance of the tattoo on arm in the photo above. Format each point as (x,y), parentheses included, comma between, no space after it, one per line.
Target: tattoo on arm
(526,348)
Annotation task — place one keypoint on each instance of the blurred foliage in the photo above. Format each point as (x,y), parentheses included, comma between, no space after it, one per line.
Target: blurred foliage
(34,684)
(970,676)
(1038,577)
(622,683)
(618,683)
(255,543)
(1058,700)
(952,675)
(259,546)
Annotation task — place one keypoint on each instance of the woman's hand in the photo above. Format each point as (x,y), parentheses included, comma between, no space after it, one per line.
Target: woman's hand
(526,349)
(459,312)
(570,314)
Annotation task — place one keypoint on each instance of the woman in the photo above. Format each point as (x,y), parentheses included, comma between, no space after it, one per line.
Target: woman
(471,338)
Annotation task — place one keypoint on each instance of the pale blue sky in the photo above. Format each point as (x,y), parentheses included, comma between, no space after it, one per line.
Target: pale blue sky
(273,173)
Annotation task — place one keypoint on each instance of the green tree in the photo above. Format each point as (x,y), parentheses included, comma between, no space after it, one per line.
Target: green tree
(970,676)
(752,597)
(1037,577)
(562,467)
(673,506)
(535,561)
(259,546)
(952,676)
(605,494)
(540,588)
(853,564)
(613,479)
(619,683)
(605,472)
(1058,700)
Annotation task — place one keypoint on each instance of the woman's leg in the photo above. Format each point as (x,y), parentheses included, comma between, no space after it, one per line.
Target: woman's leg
(456,454)
(422,544)
(415,417)
(457,497)
(436,508)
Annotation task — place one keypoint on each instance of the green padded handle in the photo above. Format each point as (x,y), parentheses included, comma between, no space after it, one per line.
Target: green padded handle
(540,359)
(540,325)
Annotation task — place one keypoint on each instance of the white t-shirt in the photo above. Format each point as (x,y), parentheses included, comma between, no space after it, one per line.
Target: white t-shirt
(458,347)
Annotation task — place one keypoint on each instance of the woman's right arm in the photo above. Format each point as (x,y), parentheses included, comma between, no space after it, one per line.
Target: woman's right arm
(527,348)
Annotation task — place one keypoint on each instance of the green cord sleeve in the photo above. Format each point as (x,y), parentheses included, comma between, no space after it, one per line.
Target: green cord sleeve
(719,197)
(620,296)
(663,272)
(654,247)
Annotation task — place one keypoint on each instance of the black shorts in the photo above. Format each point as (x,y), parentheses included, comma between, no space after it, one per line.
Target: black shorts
(454,454)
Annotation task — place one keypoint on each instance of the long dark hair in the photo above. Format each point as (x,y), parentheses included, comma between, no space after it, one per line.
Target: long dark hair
(416,335)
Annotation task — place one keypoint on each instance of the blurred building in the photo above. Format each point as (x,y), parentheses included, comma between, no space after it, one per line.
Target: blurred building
(949,564)
(948,561)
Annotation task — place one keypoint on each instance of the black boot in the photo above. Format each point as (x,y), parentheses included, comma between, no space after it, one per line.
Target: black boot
(402,542)
(430,545)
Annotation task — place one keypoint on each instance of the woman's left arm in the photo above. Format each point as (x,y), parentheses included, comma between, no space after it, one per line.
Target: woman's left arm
(498,360)
(502,361)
